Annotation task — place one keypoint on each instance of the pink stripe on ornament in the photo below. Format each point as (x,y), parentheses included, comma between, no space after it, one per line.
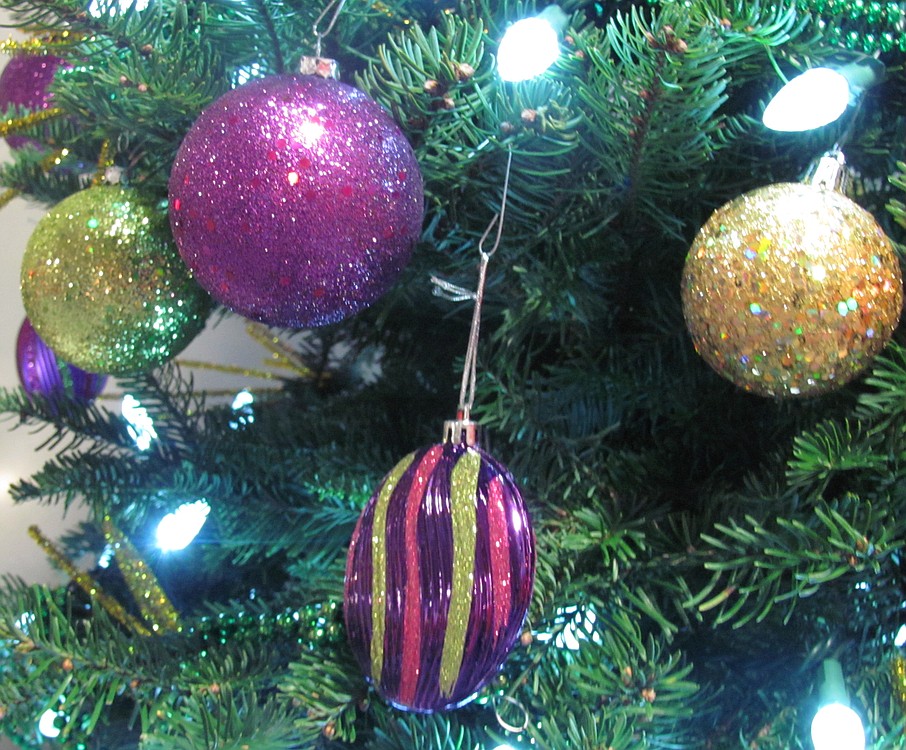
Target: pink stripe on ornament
(412,619)
(500,556)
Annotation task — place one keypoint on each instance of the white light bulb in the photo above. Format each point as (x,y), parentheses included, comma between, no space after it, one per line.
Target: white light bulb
(243,398)
(47,724)
(97,9)
(837,727)
(578,625)
(141,426)
(528,48)
(899,640)
(815,98)
(177,529)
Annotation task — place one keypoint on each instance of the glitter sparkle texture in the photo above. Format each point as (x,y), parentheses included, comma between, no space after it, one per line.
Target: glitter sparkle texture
(105,288)
(791,290)
(296,200)
(24,83)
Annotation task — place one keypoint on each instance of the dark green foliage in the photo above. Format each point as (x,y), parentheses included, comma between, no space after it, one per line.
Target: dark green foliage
(700,550)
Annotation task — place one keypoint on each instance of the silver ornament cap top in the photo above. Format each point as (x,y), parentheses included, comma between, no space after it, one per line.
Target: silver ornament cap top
(829,172)
(323,67)
(461,431)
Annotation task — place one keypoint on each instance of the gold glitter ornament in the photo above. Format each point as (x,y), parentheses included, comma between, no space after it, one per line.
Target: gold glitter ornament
(792,289)
(104,286)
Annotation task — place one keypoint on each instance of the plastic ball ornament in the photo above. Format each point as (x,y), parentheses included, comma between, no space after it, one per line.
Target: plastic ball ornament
(791,290)
(24,84)
(104,286)
(439,577)
(296,200)
(42,374)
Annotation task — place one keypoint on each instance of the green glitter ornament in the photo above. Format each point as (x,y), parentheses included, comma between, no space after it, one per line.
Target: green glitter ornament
(104,286)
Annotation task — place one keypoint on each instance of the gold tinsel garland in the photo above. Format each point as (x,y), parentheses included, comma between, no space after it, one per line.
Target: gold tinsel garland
(85,582)
(155,605)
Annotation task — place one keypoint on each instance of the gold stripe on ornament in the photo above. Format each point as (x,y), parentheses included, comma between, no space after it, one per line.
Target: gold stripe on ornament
(152,600)
(87,583)
(463,486)
(379,566)
(17,124)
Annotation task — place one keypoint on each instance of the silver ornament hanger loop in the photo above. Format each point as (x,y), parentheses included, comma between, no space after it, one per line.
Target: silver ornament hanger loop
(507,725)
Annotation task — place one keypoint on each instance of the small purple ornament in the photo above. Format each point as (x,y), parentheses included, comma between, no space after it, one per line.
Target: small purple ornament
(439,576)
(42,374)
(25,83)
(295,200)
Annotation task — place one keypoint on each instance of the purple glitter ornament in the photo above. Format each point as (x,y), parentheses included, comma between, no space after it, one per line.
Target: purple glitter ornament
(42,374)
(24,83)
(439,577)
(295,200)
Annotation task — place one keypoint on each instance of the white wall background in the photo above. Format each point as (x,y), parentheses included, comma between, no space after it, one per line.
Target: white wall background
(19,555)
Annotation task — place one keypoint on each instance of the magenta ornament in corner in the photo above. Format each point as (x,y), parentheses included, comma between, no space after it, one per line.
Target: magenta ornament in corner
(296,200)
(25,84)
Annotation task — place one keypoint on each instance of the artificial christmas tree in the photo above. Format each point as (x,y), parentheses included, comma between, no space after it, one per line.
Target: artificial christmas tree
(702,553)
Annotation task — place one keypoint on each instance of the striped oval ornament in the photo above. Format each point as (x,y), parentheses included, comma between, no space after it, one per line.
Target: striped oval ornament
(439,576)
(42,374)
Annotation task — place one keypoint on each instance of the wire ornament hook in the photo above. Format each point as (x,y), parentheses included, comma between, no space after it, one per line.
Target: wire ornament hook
(507,725)
(333,19)
(470,374)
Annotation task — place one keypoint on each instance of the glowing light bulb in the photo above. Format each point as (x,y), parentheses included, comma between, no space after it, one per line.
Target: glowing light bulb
(577,625)
(242,407)
(899,640)
(245,74)
(98,8)
(48,725)
(141,426)
(817,97)
(837,727)
(177,529)
(530,46)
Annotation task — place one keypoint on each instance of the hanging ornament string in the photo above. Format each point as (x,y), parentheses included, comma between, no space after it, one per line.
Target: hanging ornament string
(469,373)
(333,19)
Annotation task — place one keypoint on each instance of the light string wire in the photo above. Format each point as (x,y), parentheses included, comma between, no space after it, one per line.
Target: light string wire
(333,19)
(469,373)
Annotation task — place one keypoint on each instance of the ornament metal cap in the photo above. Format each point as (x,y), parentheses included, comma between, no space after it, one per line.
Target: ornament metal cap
(461,431)
(324,67)
(829,172)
